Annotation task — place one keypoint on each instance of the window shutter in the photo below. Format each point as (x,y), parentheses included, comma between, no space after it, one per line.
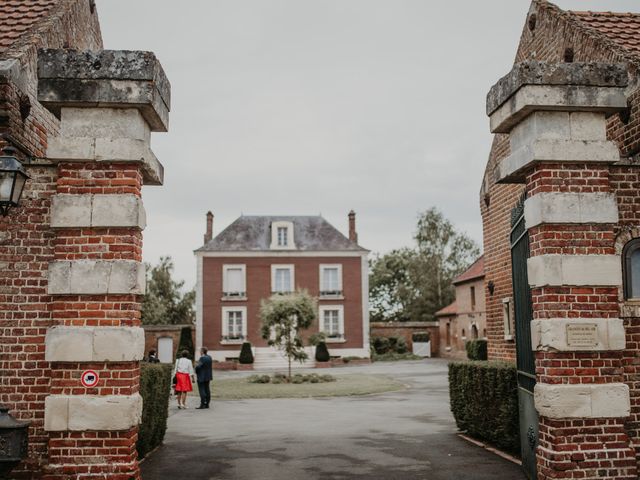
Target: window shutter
(330,280)
(283,280)
(235,282)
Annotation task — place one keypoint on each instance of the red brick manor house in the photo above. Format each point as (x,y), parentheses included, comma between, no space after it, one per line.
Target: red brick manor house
(257,256)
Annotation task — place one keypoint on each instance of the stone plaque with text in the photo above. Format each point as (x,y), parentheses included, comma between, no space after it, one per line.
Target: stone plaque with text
(582,335)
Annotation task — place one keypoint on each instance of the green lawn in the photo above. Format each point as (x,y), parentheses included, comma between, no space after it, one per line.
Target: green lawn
(345,385)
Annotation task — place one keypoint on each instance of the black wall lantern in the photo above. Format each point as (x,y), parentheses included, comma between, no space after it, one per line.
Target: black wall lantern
(14,440)
(12,180)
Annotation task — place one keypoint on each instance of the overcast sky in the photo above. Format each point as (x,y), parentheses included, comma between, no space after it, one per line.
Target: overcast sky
(321,106)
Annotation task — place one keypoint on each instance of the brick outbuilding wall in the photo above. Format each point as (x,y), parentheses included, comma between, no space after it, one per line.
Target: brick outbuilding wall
(496,203)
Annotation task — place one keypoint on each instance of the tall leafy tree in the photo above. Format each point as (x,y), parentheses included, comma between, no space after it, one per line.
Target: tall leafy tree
(283,318)
(164,302)
(412,284)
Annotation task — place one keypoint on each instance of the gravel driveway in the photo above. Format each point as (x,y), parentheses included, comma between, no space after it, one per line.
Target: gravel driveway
(394,436)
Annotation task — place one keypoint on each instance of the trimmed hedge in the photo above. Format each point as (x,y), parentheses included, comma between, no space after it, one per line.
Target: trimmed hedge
(246,355)
(476,349)
(155,388)
(484,402)
(322,353)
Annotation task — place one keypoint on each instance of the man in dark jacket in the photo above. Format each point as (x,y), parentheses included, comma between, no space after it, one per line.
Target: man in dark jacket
(204,367)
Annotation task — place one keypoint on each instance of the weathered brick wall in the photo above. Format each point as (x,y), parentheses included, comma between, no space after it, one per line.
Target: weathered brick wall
(26,241)
(26,246)
(496,203)
(107,453)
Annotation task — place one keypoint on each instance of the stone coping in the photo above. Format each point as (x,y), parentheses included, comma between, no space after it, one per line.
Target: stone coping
(544,73)
(110,78)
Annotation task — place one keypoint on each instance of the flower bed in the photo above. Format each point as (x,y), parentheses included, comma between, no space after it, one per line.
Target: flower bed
(298,378)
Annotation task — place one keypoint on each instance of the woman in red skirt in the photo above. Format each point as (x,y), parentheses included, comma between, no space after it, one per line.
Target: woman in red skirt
(183,373)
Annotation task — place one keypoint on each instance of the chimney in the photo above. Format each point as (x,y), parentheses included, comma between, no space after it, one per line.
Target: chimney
(353,235)
(209,234)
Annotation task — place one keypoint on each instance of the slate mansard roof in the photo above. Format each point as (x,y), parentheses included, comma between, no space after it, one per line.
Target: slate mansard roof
(253,234)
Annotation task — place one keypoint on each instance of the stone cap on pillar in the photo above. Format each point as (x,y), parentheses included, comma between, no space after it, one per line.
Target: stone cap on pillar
(535,86)
(108,78)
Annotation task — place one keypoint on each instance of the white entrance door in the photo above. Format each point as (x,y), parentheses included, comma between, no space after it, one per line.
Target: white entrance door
(165,349)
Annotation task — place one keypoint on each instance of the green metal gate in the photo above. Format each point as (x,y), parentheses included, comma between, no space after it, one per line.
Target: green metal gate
(525,357)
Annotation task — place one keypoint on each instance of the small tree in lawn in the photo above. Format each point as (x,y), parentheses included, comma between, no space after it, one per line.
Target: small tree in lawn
(283,318)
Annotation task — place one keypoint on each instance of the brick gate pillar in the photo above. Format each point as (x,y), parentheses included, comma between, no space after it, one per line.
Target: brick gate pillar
(556,117)
(108,104)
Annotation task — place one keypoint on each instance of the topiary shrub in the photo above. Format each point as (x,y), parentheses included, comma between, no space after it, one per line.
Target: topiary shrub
(476,349)
(484,402)
(246,354)
(186,343)
(155,387)
(322,353)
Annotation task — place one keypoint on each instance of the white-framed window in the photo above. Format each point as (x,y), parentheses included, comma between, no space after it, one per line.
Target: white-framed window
(282,278)
(332,322)
(234,281)
(282,236)
(508,318)
(234,324)
(331,280)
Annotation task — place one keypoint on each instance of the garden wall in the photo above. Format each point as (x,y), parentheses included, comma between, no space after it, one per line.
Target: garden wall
(406,331)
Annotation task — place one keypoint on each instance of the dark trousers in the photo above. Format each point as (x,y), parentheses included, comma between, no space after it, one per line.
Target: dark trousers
(205,393)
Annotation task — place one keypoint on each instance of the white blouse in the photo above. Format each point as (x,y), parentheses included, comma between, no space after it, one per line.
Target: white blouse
(183,365)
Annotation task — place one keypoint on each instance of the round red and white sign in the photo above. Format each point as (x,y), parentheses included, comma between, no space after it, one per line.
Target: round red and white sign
(89,378)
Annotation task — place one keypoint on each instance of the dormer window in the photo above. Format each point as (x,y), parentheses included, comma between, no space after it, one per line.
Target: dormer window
(282,236)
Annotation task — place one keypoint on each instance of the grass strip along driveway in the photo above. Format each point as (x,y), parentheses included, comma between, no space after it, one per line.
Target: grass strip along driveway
(345,385)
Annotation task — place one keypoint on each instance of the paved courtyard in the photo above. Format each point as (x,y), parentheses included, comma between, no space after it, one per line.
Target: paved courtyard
(394,436)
